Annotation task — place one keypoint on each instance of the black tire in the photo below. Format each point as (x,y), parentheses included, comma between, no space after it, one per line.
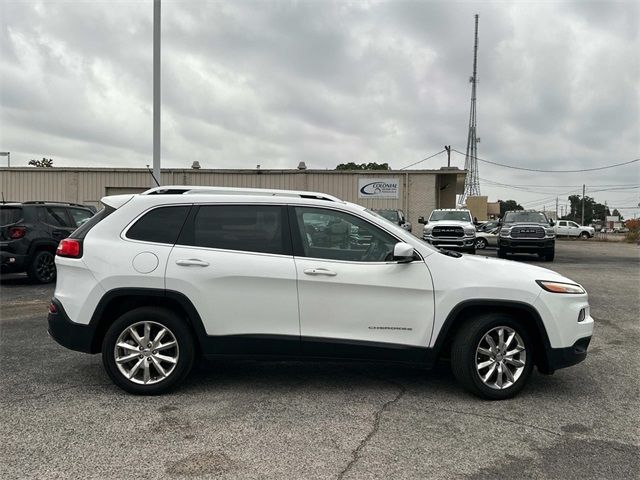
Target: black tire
(501,253)
(585,236)
(481,243)
(549,256)
(464,356)
(42,268)
(471,250)
(164,318)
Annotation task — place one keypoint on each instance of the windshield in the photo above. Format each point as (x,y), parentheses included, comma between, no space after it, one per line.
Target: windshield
(391,215)
(525,217)
(9,215)
(458,215)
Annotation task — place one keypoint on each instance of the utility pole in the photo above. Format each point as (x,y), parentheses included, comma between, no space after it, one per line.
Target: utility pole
(448,149)
(156,90)
(556,209)
(583,189)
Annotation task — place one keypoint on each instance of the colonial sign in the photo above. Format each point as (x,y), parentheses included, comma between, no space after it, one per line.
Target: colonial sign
(378,187)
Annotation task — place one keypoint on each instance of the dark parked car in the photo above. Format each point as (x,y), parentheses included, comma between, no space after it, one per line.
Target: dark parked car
(30,233)
(395,216)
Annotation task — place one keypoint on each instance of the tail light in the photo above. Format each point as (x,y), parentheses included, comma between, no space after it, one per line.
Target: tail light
(69,247)
(17,232)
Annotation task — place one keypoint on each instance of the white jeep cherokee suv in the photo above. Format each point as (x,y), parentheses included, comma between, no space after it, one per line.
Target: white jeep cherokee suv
(156,279)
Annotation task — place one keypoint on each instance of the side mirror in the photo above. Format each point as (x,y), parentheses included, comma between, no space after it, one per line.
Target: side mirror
(422,220)
(500,221)
(403,252)
(551,223)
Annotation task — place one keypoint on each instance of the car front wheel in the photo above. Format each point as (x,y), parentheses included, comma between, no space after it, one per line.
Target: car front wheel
(491,356)
(148,351)
(42,268)
(481,243)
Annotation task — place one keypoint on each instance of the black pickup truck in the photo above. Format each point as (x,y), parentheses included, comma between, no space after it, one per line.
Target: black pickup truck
(525,231)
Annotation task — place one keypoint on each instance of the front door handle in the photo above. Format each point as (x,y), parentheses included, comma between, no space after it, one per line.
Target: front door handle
(189,262)
(319,271)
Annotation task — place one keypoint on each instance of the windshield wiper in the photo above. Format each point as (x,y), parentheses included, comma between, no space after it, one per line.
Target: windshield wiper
(450,253)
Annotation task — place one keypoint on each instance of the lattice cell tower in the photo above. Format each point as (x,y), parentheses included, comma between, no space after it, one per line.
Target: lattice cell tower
(472,180)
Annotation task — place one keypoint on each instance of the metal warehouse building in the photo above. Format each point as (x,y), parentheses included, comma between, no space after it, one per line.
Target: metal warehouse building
(416,192)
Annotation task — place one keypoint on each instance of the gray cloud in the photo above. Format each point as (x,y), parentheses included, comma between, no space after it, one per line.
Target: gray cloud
(273,83)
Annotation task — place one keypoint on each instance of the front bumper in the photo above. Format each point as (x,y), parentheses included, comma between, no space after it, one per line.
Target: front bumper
(565,357)
(450,242)
(69,334)
(526,245)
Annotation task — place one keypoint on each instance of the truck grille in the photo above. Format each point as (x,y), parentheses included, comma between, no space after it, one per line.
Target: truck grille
(448,232)
(527,232)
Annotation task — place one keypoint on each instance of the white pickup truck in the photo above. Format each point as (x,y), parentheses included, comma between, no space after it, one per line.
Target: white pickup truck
(567,228)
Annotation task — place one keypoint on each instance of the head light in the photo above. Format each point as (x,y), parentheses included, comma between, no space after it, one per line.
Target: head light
(560,287)
(504,232)
(469,230)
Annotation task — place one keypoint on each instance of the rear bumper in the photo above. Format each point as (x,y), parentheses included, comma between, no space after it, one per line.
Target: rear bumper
(12,262)
(69,334)
(565,357)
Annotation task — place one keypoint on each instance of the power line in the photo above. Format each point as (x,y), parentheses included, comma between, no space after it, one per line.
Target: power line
(552,171)
(560,186)
(424,159)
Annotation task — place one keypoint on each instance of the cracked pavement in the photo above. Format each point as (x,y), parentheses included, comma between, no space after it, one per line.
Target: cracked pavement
(62,417)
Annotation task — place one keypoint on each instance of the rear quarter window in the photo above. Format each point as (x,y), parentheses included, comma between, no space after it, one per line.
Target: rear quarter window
(160,225)
(10,215)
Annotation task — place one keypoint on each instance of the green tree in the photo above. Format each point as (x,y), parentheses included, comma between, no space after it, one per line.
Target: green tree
(363,166)
(592,209)
(616,213)
(44,163)
(508,205)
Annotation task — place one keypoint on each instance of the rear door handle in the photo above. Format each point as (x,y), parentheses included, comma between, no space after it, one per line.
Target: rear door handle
(319,271)
(189,262)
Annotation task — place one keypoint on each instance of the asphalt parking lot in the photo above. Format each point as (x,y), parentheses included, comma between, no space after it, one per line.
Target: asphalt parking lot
(63,418)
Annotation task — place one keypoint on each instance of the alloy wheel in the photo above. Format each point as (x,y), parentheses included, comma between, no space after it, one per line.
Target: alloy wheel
(500,357)
(45,267)
(146,352)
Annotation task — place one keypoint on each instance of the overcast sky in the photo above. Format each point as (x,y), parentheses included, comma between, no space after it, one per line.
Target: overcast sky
(275,83)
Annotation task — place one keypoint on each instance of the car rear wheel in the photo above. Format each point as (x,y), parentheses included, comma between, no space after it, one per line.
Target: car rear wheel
(42,268)
(491,356)
(148,351)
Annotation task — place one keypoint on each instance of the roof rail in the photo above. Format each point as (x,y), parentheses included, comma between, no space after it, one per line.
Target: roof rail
(42,202)
(204,190)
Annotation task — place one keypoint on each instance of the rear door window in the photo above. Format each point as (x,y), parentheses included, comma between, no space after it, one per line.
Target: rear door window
(160,225)
(248,228)
(55,216)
